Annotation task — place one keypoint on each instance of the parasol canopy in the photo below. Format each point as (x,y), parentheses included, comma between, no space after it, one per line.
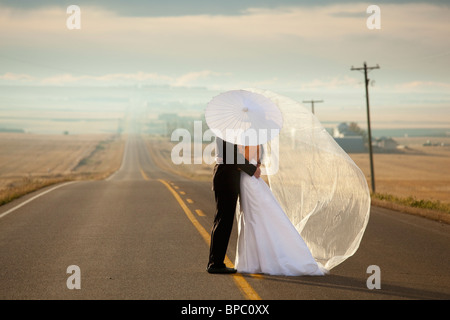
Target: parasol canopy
(243,117)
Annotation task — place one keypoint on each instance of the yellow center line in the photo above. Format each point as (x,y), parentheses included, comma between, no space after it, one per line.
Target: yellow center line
(200,213)
(240,281)
(144,175)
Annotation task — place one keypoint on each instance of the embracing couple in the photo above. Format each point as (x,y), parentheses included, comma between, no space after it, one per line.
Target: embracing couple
(321,189)
(267,240)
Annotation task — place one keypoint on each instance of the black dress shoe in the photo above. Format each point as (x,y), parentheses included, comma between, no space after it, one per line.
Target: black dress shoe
(220,270)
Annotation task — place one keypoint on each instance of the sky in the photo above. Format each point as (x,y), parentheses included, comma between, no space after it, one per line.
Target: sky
(197,49)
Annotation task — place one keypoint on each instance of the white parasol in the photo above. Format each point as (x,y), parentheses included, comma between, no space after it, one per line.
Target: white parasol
(243,117)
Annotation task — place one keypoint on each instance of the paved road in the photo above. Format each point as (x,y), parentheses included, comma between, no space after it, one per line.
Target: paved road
(142,234)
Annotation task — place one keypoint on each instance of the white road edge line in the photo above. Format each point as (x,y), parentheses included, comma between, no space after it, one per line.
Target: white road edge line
(35,197)
(125,154)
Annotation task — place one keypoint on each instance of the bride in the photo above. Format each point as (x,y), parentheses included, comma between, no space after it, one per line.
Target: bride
(267,240)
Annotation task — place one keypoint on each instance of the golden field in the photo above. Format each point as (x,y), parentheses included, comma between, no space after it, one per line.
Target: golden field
(421,171)
(30,161)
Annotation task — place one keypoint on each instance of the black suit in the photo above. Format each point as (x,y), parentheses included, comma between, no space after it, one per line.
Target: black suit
(226,186)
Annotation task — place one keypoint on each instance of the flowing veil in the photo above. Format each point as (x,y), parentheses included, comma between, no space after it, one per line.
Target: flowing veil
(320,188)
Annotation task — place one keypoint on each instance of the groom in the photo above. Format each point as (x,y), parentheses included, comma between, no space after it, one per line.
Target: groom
(226,186)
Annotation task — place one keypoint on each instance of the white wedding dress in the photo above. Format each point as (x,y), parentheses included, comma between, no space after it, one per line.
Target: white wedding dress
(267,240)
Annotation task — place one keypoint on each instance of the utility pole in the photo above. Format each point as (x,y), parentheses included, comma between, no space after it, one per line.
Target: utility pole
(312,103)
(365,68)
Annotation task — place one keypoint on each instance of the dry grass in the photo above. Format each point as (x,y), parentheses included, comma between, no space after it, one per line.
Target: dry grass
(416,181)
(29,162)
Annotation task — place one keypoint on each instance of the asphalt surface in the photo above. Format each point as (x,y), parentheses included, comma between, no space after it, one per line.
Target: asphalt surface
(143,234)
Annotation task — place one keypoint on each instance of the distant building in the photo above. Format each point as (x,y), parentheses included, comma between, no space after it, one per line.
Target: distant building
(351,144)
(350,141)
(387,144)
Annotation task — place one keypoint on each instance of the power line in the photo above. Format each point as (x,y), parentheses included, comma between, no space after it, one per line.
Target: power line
(365,68)
(312,103)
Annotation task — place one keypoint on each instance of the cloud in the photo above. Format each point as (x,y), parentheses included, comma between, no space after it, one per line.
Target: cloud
(153,8)
(322,22)
(292,43)
(191,79)
(414,86)
(107,79)
(203,78)
(334,83)
(14,77)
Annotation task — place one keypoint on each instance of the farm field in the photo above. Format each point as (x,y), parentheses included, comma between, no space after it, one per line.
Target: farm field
(30,161)
(421,171)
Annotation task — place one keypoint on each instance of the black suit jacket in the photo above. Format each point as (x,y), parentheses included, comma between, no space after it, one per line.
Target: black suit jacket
(227,175)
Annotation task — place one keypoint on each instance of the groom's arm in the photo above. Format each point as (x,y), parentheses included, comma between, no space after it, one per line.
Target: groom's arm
(247,167)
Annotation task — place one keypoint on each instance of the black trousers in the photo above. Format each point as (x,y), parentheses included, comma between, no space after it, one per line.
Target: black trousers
(226,191)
